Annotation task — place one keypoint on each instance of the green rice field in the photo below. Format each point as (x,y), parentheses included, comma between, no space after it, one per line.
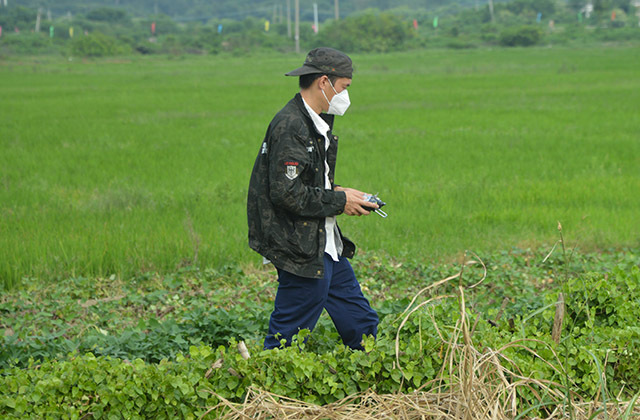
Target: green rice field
(142,163)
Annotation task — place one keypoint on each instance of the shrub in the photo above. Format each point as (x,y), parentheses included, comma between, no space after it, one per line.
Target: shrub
(369,32)
(523,36)
(25,43)
(460,43)
(97,45)
(18,16)
(106,14)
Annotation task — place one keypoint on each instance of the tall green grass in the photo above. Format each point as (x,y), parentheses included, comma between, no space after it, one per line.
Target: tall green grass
(121,166)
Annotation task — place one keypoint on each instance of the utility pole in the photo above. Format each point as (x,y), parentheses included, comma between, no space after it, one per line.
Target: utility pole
(315,18)
(38,19)
(336,9)
(491,11)
(289,19)
(297,25)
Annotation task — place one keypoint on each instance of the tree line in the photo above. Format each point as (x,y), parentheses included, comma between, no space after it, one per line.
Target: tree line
(102,30)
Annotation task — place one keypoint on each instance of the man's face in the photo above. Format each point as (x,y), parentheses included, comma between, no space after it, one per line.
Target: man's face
(341,84)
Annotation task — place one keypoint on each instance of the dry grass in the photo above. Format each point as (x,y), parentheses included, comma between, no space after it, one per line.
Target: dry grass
(449,405)
(473,384)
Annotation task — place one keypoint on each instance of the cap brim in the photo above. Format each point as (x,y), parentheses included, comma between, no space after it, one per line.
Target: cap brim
(300,71)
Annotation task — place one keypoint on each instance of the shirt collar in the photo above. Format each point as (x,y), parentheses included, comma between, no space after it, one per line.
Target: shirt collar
(320,124)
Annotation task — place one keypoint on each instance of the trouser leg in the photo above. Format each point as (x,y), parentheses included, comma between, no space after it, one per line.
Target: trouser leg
(298,305)
(300,301)
(349,309)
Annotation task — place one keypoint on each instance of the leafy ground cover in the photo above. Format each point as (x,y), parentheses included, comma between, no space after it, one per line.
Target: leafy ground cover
(141,164)
(164,346)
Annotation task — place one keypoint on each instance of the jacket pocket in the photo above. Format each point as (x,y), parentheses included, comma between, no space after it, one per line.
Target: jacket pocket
(304,239)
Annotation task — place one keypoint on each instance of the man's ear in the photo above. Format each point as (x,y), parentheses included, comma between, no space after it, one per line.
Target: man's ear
(322,81)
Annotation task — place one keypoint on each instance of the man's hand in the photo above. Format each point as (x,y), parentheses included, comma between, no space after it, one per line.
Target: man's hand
(355,202)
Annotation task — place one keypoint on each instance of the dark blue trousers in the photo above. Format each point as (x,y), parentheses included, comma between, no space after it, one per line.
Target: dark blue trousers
(300,301)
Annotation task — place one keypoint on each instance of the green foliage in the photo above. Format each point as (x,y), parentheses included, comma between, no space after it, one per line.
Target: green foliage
(529,7)
(179,367)
(263,9)
(368,32)
(17,17)
(150,317)
(617,34)
(97,45)
(603,315)
(108,388)
(106,14)
(523,36)
(601,6)
(358,30)
(30,43)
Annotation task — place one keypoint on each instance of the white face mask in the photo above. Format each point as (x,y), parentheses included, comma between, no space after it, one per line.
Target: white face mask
(339,103)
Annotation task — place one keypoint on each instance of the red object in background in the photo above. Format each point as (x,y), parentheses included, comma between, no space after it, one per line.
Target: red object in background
(415,24)
(613,15)
(153,28)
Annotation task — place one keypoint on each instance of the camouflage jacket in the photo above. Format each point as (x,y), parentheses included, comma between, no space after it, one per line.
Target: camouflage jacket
(287,203)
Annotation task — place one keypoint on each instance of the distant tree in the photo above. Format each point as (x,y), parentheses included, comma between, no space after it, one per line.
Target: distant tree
(523,36)
(625,5)
(20,17)
(518,7)
(106,14)
(371,31)
(601,6)
(576,5)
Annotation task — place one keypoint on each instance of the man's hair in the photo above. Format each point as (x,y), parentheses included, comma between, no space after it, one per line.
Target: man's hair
(306,80)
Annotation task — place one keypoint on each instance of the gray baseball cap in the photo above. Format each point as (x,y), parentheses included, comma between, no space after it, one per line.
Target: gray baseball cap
(325,60)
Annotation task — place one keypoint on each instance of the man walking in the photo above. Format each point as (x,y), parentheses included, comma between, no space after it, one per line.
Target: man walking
(293,203)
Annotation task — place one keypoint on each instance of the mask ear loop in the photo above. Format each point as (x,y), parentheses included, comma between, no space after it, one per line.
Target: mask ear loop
(325,95)
(334,89)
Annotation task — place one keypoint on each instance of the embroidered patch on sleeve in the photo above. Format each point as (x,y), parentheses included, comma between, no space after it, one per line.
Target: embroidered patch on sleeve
(292,170)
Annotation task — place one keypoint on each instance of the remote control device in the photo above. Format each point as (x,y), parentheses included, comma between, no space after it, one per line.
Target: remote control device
(374,199)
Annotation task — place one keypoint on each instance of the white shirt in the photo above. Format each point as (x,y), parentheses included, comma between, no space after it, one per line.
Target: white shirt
(332,240)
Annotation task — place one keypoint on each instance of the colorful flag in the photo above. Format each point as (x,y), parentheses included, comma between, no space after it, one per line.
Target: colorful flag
(435,22)
(0,30)
(71,32)
(415,23)
(51,31)
(153,28)
(220,28)
(613,15)
(266,26)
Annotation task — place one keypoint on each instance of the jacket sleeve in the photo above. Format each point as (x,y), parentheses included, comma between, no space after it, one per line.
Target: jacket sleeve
(289,159)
